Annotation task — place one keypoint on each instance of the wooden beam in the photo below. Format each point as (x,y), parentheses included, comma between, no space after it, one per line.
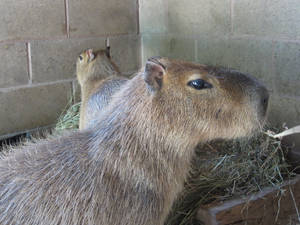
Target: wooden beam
(271,206)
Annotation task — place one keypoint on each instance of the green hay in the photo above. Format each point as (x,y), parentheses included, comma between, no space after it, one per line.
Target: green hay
(221,170)
(69,119)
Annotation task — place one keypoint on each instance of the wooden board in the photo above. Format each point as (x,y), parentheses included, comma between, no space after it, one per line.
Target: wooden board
(269,207)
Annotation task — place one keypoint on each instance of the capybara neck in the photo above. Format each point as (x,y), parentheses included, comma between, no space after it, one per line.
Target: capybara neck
(134,128)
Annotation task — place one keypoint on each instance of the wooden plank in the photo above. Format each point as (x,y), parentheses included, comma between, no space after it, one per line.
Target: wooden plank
(268,207)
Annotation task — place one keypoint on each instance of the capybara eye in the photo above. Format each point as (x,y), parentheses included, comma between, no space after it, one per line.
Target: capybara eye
(199,84)
(80,58)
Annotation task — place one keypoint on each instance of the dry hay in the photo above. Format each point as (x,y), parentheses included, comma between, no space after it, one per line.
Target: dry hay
(221,170)
(226,170)
(69,119)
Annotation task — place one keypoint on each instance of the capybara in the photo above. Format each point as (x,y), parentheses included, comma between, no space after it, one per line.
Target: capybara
(99,79)
(130,166)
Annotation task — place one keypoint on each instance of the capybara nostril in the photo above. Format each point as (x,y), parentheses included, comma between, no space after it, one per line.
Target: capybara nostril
(264,100)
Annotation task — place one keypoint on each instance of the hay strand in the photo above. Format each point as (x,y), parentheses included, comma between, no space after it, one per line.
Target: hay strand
(69,119)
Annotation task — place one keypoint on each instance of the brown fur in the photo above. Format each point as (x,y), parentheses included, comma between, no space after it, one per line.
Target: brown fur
(99,79)
(129,168)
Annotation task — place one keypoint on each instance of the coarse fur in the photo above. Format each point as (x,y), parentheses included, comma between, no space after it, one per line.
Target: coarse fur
(99,79)
(92,107)
(129,168)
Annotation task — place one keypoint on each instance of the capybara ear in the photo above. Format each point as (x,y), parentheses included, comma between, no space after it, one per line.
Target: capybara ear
(90,54)
(154,73)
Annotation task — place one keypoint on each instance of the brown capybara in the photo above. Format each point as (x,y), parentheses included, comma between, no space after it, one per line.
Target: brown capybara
(130,167)
(99,79)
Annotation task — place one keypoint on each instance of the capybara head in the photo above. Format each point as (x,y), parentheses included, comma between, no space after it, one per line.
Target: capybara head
(90,62)
(85,59)
(207,102)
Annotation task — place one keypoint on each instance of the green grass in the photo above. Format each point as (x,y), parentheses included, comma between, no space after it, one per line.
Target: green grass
(69,119)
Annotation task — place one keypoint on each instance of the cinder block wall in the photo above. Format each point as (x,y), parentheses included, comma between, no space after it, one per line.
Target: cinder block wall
(40,40)
(39,43)
(254,36)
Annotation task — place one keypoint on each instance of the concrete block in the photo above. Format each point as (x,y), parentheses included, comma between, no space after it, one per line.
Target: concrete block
(284,109)
(97,17)
(125,52)
(154,45)
(275,18)
(29,108)
(287,68)
(212,50)
(56,60)
(32,19)
(199,17)
(246,55)
(153,16)
(13,65)
(173,47)
(53,60)
(182,48)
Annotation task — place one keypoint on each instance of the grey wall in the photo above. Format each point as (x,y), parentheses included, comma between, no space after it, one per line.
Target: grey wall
(40,40)
(39,43)
(261,37)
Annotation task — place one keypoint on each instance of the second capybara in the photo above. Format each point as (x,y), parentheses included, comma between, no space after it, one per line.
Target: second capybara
(99,78)
(130,166)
